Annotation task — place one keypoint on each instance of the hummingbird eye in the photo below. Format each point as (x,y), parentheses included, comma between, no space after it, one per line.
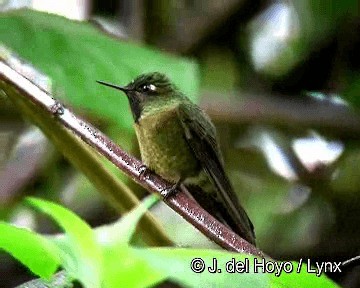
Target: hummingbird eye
(148,88)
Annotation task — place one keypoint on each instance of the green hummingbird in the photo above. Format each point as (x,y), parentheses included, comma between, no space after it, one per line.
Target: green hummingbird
(178,141)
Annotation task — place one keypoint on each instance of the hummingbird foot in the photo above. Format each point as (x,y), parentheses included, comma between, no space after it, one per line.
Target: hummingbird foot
(170,191)
(143,171)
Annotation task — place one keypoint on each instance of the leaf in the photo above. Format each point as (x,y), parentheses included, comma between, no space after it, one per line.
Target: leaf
(124,263)
(176,264)
(119,233)
(36,252)
(76,54)
(81,256)
(123,267)
(128,222)
(303,279)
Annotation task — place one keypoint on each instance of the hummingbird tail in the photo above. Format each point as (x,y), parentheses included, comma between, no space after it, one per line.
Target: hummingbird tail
(244,229)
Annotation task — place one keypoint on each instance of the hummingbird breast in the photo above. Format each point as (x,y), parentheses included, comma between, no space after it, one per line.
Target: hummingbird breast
(163,146)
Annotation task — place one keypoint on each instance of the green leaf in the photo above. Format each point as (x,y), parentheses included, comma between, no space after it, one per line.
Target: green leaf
(126,269)
(124,264)
(119,233)
(123,267)
(128,222)
(303,279)
(36,252)
(81,256)
(176,265)
(76,54)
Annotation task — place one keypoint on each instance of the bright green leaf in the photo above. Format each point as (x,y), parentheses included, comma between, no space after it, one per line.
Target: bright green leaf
(303,279)
(128,222)
(36,252)
(126,269)
(124,264)
(176,265)
(82,258)
(123,267)
(119,233)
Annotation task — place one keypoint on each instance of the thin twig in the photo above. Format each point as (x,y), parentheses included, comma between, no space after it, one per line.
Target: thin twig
(132,167)
(354,261)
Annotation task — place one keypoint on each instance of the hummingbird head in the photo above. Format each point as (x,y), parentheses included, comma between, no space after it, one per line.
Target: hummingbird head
(146,90)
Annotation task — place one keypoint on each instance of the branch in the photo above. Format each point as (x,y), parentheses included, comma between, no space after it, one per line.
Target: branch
(132,167)
(304,112)
(59,279)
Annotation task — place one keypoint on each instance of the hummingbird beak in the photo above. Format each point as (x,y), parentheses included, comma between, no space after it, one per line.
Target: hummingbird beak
(132,97)
(121,88)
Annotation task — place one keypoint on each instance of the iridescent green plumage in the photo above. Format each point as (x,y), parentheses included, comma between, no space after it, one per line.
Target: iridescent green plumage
(178,141)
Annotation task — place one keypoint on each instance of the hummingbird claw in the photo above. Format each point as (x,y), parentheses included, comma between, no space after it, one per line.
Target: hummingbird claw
(57,109)
(143,170)
(170,191)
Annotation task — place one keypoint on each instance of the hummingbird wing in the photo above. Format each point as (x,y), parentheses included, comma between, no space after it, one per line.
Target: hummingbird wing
(200,134)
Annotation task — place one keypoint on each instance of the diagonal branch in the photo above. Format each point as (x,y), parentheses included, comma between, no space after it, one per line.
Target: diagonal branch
(132,167)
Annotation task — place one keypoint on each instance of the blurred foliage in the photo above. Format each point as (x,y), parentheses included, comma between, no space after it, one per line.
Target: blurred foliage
(75,55)
(92,256)
(287,32)
(352,92)
(219,70)
(31,244)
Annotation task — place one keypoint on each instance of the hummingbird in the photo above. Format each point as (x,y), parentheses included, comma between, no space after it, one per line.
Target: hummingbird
(178,141)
